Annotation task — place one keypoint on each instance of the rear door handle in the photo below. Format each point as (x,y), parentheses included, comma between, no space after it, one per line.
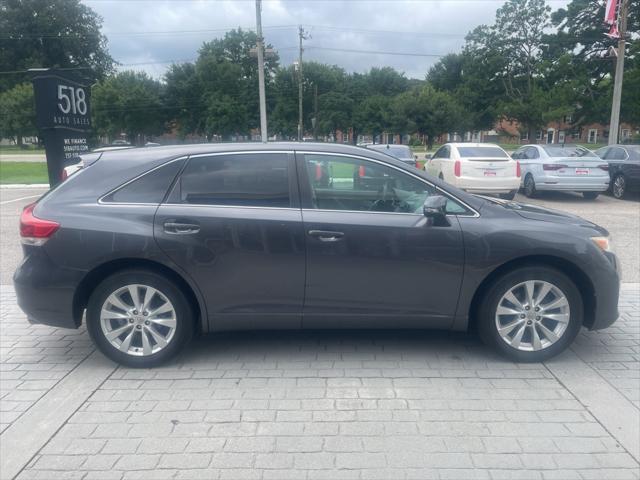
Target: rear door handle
(326,236)
(178,228)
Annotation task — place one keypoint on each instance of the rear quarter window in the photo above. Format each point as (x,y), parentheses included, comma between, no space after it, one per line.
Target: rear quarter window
(150,187)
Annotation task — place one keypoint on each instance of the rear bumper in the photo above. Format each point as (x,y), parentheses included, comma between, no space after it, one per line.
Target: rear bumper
(487,185)
(45,291)
(598,184)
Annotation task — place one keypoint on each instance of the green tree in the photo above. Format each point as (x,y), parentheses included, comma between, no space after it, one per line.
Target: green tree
(129,102)
(373,115)
(17,113)
(510,50)
(335,112)
(51,33)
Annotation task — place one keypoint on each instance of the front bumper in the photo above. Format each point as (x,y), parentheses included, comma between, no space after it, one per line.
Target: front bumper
(45,291)
(607,291)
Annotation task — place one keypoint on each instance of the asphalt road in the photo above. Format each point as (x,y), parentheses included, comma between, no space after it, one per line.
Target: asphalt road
(620,217)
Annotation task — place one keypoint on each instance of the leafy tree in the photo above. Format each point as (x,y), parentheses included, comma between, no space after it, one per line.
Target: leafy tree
(335,112)
(510,51)
(182,97)
(373,115)
(580,36)
(129,102)
(51,33)
(428,111)
(17,112)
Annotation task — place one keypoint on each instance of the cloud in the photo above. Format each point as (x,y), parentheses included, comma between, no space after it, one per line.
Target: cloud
(426,27)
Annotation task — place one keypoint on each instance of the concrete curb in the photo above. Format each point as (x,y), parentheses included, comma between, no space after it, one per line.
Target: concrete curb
(10,186)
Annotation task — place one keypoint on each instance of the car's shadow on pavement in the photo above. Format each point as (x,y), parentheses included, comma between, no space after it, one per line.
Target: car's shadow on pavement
(326,346)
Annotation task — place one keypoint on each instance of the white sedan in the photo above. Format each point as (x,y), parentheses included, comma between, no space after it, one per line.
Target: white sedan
(476,168)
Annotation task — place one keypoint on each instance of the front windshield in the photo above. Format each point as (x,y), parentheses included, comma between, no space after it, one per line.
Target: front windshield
(559,151)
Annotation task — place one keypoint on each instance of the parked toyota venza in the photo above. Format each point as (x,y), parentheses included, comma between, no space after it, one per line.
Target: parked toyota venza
(156,244)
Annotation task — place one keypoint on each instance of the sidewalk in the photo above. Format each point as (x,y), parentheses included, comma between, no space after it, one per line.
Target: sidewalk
(311,405)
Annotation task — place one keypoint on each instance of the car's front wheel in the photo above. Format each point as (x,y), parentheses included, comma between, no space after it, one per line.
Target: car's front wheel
(531,314)
(139,318)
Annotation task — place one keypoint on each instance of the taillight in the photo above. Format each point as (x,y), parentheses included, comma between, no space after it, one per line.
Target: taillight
(456,168)
(64,175)
(604,167)
(518,170)
(361,172)
(34,230)
(553,166)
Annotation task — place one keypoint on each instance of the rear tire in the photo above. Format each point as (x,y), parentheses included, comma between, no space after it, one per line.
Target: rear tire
(530,186)
(545,332)
(509,196)
(140,332)
(590,195)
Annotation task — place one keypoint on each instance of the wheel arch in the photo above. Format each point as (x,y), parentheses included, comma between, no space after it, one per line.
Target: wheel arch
(100,272)
(574,272)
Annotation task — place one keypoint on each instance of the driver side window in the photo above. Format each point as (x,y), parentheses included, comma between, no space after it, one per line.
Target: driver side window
(345,183)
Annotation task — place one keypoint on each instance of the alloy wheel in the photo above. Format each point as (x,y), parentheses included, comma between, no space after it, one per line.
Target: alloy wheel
(138,320)
(532,315)
(619,185)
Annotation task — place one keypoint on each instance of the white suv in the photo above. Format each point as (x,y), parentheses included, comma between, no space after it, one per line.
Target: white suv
(477,168)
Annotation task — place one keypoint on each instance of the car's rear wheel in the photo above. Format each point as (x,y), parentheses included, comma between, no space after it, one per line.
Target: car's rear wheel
(531,314)
(619,186)
(139,318)
(590,195)
(530,186)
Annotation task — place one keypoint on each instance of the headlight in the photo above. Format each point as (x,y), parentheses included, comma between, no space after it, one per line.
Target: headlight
(603,243)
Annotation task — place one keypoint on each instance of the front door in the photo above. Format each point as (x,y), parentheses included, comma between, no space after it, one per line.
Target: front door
(372,257)
(232,222)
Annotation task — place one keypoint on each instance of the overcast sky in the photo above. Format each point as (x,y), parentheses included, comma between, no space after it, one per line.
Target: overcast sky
(137,29)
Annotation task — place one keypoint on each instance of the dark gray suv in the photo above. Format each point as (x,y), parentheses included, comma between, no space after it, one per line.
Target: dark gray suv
(156,244)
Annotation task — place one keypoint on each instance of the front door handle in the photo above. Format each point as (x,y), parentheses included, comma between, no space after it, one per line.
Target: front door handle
(178,228)
(326,236)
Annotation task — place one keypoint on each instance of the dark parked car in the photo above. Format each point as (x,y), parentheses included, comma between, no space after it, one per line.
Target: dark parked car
(624,168)
(401,152)
(156,244)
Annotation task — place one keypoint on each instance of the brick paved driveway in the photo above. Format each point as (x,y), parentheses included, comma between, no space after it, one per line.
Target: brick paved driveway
(326,405)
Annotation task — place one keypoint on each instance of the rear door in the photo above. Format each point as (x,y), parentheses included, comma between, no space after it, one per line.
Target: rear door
(233,223)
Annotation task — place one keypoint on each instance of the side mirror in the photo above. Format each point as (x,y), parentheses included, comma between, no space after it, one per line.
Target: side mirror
(435,209)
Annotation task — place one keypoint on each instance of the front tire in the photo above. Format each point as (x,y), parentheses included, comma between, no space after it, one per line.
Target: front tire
(139,318)
(619,186)
(590,195)
(531,314)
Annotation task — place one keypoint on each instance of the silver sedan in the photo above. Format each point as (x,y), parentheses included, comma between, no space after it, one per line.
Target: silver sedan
(562,168)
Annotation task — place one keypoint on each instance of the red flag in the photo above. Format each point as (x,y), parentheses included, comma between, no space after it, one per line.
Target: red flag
(610,18)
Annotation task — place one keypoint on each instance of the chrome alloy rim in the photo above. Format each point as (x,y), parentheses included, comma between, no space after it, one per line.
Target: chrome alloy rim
(138,320)
(532,315)
(618,186)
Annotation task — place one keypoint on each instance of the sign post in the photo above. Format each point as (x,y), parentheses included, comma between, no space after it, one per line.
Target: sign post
(63,118)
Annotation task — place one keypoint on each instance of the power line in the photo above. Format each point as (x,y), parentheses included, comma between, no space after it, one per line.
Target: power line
(34,36)
(392,32)
(377,52)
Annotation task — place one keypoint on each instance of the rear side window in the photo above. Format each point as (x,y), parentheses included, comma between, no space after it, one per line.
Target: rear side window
(243,180)
(151,187)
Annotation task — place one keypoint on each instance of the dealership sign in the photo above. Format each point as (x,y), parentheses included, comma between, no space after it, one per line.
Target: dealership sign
(63,117)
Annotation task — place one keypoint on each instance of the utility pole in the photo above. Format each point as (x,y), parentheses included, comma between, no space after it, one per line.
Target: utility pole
(614,124)
(315,111)
(301,36)
(260,48)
